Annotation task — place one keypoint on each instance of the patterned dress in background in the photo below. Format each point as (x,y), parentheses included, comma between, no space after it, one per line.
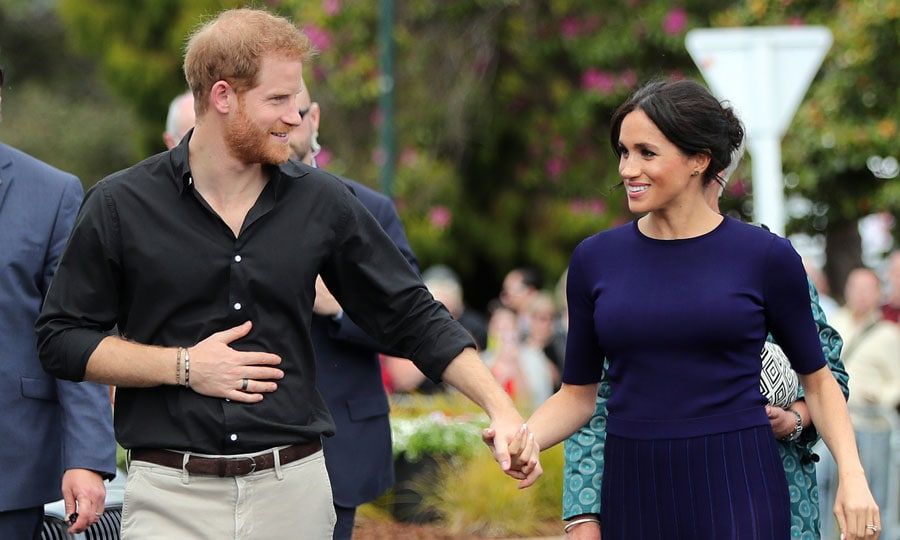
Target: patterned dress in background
(583,473)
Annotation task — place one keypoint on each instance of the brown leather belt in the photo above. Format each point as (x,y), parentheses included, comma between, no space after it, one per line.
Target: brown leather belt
(225,466)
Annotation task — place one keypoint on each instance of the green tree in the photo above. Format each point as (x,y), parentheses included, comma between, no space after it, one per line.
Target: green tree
(848,121)
(55,107)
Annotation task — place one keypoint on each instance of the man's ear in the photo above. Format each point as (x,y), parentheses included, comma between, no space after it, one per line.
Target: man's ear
(314,115)
(220,97)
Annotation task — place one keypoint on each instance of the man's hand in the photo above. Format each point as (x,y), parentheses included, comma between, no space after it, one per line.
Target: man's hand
(84,492)
(325,304)
(521,459)
(783,422)
(217,370)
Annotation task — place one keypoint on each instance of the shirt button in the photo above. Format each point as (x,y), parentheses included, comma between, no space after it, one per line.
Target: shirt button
(237,258)
(237,306)
(233,437)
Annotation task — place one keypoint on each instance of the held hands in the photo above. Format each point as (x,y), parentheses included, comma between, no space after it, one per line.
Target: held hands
(217,370)
(84,492)
(516,451)
(857,514)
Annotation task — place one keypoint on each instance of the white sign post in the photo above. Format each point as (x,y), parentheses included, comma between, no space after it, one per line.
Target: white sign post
(764,73)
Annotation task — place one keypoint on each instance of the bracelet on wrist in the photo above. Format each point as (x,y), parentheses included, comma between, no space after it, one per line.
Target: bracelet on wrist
(575,522)
(798,427)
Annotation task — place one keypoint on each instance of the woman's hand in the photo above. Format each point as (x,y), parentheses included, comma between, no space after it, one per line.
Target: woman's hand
(854,507)
(782,421)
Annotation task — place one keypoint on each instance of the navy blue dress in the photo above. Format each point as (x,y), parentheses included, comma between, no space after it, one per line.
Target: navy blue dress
(689,452)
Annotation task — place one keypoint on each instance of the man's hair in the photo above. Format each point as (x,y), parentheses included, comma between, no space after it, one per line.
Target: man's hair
(231,46)
(172,118)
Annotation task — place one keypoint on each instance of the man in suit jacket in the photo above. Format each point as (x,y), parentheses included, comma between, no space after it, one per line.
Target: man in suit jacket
(55,433)
(349,373)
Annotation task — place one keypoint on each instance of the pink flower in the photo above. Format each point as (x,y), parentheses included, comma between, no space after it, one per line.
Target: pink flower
(587,206)
(737,188)
(379,156)
(555,167)
(598,81)
(320,38)
(440,216)
(408,157)
(796,21)
(675,21)
(331,7)
(570,27)
(323,158)
(628,78)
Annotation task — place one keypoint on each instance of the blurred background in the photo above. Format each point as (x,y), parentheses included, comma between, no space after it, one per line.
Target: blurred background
(500,156)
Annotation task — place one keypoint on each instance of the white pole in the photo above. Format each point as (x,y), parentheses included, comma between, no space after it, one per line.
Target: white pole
(768,183)
(765,145)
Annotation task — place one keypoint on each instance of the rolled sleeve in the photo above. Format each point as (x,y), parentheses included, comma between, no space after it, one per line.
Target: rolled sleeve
(383,295)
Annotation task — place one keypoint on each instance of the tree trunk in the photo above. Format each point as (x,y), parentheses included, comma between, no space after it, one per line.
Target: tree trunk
(843,253)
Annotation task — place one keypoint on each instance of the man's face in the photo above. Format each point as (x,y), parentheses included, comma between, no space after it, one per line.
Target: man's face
(258,129)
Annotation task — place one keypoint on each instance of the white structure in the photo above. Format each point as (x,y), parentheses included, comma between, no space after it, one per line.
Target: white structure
(764,73)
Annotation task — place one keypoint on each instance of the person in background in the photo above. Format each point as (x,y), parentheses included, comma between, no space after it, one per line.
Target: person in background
(57,435)
(179,120)
(890,311)
(519,287)
(543,346)
(871,344)
(820,282)
(444,284)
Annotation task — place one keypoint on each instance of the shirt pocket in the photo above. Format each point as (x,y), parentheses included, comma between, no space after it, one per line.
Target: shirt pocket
(39,389)
(366,407)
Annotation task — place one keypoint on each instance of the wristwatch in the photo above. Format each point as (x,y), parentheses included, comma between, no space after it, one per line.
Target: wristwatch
(798,427)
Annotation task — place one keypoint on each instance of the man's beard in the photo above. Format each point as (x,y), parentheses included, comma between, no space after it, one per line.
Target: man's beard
(250,144)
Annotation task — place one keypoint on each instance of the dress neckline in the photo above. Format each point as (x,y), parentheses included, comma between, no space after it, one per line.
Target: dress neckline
(675,241)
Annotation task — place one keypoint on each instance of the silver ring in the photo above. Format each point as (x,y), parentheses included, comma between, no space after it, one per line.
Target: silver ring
(873,528)
(244,383)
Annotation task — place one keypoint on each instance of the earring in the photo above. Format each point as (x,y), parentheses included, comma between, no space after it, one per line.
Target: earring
(695,173)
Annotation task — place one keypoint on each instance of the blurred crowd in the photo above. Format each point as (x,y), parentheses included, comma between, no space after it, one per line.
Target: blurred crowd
(522,336)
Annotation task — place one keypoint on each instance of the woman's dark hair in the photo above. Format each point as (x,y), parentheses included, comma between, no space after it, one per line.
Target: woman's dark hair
(689,116)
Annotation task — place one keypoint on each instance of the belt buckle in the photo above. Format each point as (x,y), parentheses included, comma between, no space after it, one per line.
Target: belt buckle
(252,460)
(230,466)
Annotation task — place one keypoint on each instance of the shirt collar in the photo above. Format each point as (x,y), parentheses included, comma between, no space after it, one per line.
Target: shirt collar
(180,164)
(181,167)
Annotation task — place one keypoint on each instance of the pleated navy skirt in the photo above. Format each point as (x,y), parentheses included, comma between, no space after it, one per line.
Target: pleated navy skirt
(716,487)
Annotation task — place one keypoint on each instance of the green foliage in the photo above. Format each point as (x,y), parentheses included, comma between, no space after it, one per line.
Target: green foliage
(436,434)
(474,497)
(54,106)
(852,110)
(503,106)
(502,117)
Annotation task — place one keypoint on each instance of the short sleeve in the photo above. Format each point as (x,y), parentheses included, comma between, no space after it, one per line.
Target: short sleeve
(787,308)
(584,356)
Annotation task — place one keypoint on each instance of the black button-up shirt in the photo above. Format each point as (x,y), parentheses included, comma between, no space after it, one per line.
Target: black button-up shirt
(149,255)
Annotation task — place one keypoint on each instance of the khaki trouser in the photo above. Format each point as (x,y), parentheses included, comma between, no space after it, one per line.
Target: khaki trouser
(287,501)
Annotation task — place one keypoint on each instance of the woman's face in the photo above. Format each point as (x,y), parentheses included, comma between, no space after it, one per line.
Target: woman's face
(656,174)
